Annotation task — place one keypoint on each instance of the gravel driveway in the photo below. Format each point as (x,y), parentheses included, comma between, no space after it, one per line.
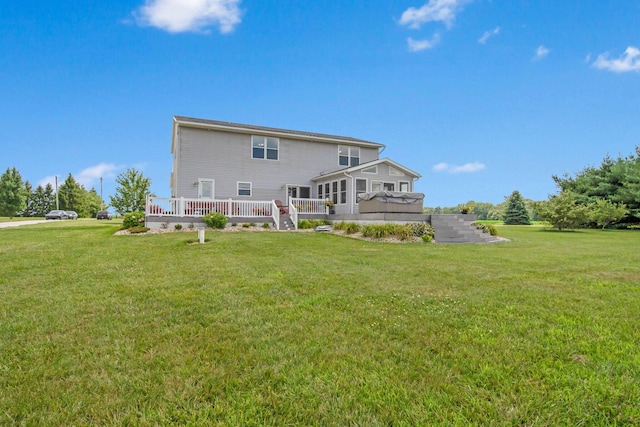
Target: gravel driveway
(19,223)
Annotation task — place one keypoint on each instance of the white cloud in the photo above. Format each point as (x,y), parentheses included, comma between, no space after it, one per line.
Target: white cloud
(418,45)
(433,11)
(466,168)
(178,16)
(541,52)
(49,180)
(628,61)
(88,177)
(441,167)
(488,34)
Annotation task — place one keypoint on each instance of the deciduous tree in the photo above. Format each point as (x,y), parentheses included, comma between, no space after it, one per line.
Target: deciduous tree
(131,194)
(562,211)
(604,212)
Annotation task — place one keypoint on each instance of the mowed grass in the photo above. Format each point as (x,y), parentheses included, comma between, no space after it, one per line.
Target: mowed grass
(283,329)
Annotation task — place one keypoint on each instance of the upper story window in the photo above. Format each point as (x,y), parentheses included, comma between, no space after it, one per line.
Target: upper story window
(348,156)
(264,147)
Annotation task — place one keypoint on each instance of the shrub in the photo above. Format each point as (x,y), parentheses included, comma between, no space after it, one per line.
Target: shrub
(312,223)
(403,232)
(351,227)
(215,220)
(133,219)
(266,225)
(138,229)
(191,226)
(339,225)
(427,238)
(178,226)
(234,224)
(377,231)
(304,224)
(486,228)
(420,229)
(246,225)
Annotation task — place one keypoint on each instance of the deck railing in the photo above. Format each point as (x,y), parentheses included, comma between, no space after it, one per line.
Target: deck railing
(293,214)
(181,207)
(309,206)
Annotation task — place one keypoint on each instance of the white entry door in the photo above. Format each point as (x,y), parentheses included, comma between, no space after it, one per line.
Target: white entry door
(206,188)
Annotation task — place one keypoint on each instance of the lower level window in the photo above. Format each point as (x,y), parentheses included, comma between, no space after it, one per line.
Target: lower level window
(382,186)
(334,192)
(361,187)
(244,189)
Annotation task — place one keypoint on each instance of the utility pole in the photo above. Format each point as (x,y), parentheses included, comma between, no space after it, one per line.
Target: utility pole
(57,201)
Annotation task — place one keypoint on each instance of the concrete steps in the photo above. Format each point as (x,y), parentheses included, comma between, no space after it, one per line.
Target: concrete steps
(457,229)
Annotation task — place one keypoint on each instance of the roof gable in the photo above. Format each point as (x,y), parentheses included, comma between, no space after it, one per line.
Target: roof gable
(361,166)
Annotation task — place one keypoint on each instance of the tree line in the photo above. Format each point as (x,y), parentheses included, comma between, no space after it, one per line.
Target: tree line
(595,197)
(19,198)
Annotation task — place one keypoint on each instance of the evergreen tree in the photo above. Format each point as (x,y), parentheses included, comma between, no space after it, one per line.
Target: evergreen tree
(515,212)
(29,200)
(616,180)
(70,195)
(12,193)
(48,201)
(40,203)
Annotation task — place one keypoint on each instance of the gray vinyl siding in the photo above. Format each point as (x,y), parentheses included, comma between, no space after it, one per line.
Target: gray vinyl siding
(383,175)
(226,158)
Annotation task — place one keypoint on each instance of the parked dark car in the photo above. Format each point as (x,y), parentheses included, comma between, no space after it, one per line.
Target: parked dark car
(57,214)
(72,214)
(103,215)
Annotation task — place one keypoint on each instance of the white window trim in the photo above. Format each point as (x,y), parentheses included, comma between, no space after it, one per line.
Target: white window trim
(335,192)
(349,156)
(375,170)
(404,182)
(213,187)
(340,192)
(382,184)
(395,172)
(238,189)
(265,148)
(355,187)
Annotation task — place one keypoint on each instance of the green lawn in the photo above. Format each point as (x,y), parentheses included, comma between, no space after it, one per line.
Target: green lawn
(282,329)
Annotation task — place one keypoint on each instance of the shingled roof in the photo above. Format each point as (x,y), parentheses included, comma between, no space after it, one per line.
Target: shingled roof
(215,124)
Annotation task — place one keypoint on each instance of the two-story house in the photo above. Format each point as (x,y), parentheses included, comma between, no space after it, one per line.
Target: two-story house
(222,160)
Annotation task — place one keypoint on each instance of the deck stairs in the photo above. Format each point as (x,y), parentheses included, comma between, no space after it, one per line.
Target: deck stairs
(285,222)
(457,229)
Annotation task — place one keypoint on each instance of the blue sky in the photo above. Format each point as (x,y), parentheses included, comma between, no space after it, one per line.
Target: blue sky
(482,97)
